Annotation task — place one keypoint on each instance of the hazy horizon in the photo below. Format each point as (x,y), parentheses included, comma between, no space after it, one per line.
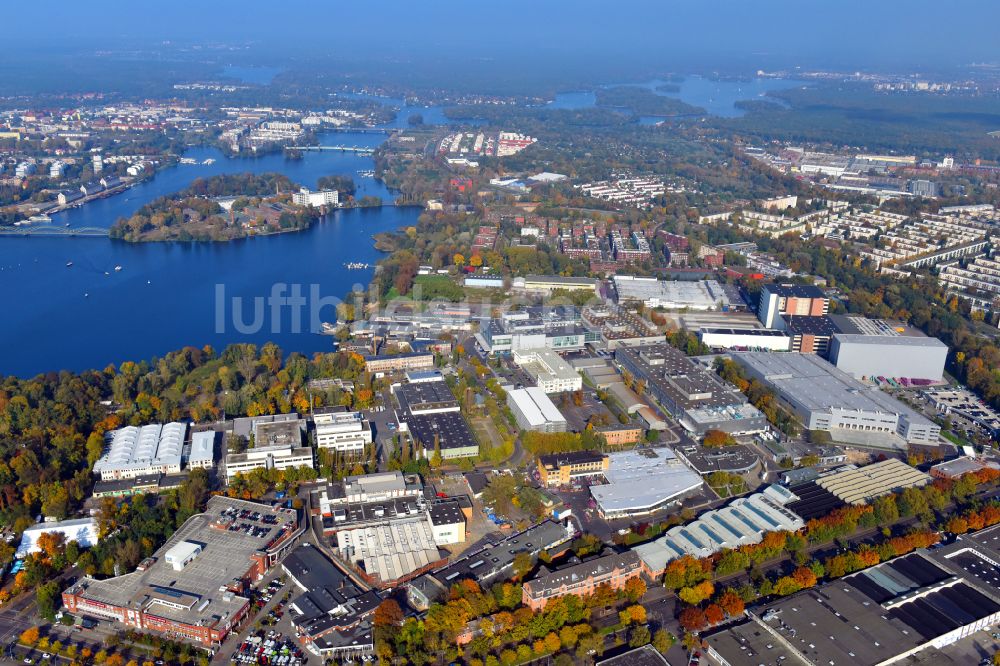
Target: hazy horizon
(646,35)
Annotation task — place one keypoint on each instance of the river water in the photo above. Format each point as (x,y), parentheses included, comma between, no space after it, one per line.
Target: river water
(166,294)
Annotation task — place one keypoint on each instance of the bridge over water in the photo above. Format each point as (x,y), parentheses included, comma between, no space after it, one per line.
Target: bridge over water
(53,230)
(360,150)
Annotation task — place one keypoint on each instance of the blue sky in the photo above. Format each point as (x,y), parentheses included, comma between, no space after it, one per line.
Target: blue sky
(870,34)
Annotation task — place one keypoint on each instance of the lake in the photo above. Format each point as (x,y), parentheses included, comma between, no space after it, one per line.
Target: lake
(165,295)
(718,98)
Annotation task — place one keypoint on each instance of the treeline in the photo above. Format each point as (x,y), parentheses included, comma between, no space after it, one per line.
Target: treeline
(52,426)
(507,633)
(693,578)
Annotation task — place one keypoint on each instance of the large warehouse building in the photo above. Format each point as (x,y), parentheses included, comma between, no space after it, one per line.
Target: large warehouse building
(687,392)
(873,356)
(533,410)
(643,481)
(133,451)
(900,611)
(671,294)
(825,398)
(743,521)
(195,586)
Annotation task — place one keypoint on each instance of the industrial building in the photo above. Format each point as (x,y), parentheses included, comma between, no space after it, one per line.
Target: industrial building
(331,615)
(198,593)
(862,484)
(425,397)
(133,451)
(558,328)
(749,339)
(561,469)
(81,530)
(533,410)
(613,570)
(391,551)
(488,562)
(825,398)
(800,300)
(810,335)
(445,432)
(743,521)
(873,356)
(389,363)
(282,456)
(375,487)
(343,431)
(551,373)
(671,294)
(923,601)
(643,481)
(201,455)
(698,399)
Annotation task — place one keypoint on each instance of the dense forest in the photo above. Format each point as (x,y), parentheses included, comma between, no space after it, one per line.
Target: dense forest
(853,114)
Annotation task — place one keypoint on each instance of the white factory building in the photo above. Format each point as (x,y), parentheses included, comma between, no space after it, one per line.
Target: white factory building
(642,481)
(743,521)
(671,294)
(745,338)
(134,451)
(533,410)
(551,373)
(872,356)
(81,530)
(824,397)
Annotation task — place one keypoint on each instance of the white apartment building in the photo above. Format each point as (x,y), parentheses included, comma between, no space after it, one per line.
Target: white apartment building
(305,197)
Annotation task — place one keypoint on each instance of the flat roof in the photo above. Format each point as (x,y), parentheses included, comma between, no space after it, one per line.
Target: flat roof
(427,395)
(889,341)
(821,326)
(759,332)
(795,290)
(450,427)
(229,534)
(672,293)
(643,478)
(814,384)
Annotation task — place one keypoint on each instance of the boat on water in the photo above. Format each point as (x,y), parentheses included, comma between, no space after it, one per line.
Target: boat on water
(68,264)
(355,266)
(118,268)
